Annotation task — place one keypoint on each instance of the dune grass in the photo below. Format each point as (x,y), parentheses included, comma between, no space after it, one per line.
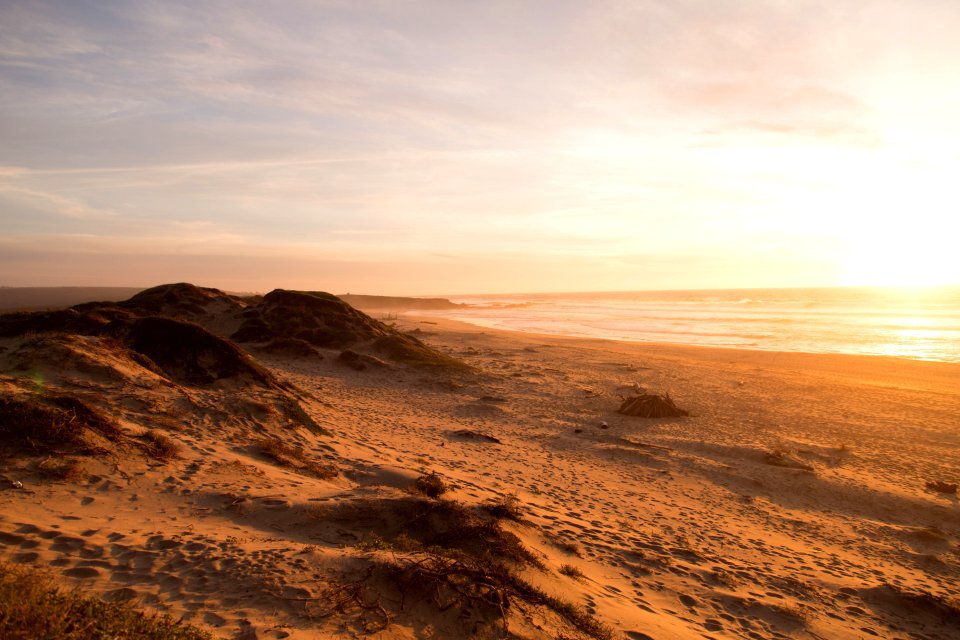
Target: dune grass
(294,458)
(32,607)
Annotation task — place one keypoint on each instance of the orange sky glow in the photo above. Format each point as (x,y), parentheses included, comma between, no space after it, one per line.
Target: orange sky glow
(458,147)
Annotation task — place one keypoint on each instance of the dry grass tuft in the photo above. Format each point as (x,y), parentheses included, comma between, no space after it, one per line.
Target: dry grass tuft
(32,607)
(440,527)
(431,485)
(572,572)
(49,423)
(295,414)
(565,545)
(723,577)
(505,508)
(160,446)
(294,458)
(69,470)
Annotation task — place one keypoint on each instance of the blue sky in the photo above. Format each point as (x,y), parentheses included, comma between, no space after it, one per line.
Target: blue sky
(456,147)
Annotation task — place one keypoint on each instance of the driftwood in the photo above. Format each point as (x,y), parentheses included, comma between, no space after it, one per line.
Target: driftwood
(642,445)
(781,458)
(651,406)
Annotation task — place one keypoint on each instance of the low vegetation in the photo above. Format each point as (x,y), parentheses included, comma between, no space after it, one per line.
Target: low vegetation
(407,349)
(69,470)
(292,410)
(32,607)
(452,555)
(294,458)
(430,485)
(723,577)
(49,423)
(571,572)
(160,446)
(505,508)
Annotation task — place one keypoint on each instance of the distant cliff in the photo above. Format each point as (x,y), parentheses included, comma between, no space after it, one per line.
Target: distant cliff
(395,303)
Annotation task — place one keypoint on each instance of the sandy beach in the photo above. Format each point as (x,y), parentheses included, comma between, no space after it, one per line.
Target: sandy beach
(793,501)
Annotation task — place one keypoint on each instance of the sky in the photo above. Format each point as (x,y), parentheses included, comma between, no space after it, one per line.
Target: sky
(408,147)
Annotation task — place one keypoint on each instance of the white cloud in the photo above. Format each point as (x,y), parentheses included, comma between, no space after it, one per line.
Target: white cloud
(609,128)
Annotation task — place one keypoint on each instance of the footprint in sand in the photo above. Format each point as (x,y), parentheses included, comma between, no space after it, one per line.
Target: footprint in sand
(82,572)
(10,539)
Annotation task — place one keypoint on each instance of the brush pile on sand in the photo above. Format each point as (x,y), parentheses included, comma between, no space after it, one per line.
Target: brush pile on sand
(650,405)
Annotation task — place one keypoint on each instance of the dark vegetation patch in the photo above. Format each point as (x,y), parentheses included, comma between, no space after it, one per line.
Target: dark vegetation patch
(62,470)
(571,572)
(292,347)
(296,416)
(325,321)
(57,425)
(160,446)
(439,527)
(31,606)
(48,423)
(505,508)
(189,354)
(430,485)
(488,589)
(177,300)
(318,318)
(62,321)
(650,405)
(410,350)
(294,458)
(359,361)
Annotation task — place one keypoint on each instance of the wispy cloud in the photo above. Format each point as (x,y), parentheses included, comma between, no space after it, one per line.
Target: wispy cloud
(605,127)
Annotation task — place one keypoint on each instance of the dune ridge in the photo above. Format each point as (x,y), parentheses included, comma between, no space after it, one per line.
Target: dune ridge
(222,459)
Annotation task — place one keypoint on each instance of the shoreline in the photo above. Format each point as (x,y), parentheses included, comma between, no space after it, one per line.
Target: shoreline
(937,372)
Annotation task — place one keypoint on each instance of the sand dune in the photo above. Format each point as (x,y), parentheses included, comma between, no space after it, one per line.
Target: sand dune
(792,502)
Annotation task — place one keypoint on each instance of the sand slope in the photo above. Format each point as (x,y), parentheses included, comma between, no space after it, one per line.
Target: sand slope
(665,528)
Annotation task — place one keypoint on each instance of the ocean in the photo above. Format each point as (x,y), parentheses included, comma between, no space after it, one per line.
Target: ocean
(922,324)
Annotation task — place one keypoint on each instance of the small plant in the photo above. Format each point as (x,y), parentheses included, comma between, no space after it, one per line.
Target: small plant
(793,612)
(167,422)
(403,542)
(44,422)
(567,546)
(572,572)
(69,470)
(161,446)
(375,543)
(294,458)
(431,485)
(723,577)
(296,415)
(505,508)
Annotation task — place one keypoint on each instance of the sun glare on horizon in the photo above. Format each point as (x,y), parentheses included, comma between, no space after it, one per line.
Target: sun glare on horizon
(902,250)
